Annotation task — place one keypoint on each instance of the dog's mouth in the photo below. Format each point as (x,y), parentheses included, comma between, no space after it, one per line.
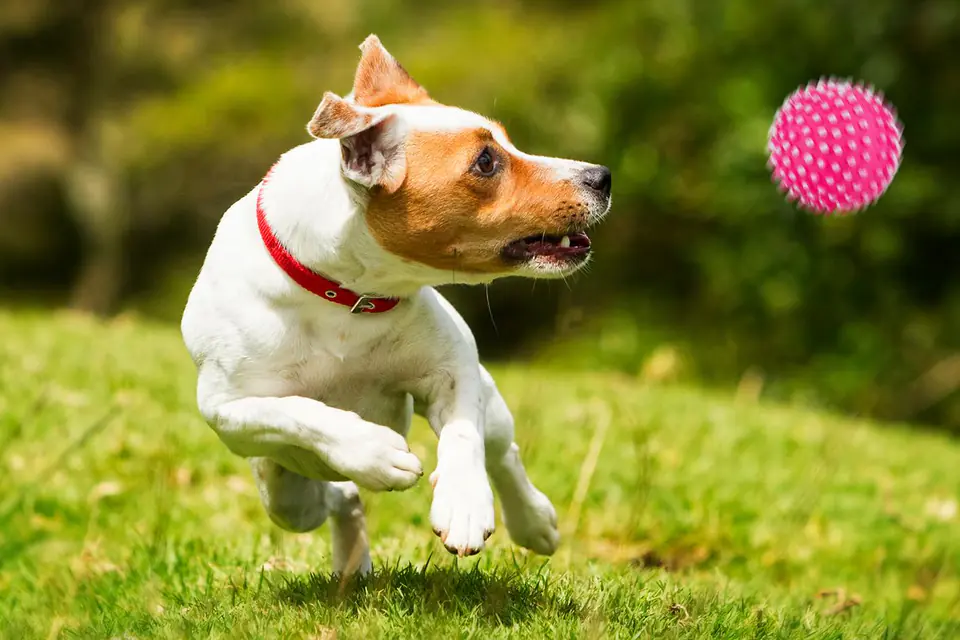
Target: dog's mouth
(572,247)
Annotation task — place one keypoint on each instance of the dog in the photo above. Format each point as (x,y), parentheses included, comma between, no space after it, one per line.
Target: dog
(317,333)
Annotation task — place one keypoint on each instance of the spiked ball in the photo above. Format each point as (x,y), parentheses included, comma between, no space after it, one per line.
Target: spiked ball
(834,147)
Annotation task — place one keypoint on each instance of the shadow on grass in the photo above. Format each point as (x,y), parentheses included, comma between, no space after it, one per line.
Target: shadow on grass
(502,596)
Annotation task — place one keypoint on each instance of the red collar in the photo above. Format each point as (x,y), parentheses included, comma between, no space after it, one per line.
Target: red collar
(311,280)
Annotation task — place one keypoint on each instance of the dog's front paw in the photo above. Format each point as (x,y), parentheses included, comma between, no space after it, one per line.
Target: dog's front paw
(375,458)
(462,512)
(532,524)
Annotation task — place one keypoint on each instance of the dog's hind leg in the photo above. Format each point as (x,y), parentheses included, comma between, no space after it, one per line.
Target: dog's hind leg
(299,504)
(351,548)
(530,517)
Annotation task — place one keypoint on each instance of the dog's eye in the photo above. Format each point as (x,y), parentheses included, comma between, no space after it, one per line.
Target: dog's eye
(486,164)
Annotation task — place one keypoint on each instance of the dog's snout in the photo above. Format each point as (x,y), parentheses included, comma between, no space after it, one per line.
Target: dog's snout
(598,178)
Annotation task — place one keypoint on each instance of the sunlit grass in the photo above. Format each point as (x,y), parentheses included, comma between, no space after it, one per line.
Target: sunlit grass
(685,515)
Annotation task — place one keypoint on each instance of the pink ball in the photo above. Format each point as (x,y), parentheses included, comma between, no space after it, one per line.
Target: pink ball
(834,147)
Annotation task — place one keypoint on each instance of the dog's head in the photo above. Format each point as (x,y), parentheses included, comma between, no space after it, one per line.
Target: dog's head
(447,189)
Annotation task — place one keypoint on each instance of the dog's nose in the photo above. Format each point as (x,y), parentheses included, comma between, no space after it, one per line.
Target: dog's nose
(598,178)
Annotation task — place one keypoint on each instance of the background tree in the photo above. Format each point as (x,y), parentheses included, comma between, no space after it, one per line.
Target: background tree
(128,127)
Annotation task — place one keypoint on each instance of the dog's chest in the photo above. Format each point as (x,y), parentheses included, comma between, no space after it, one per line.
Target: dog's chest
(351,367)
(319,355)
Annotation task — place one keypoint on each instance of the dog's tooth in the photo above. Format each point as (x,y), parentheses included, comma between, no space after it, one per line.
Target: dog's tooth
(565,242)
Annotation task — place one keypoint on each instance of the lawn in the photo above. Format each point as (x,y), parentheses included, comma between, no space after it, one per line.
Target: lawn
(685,515)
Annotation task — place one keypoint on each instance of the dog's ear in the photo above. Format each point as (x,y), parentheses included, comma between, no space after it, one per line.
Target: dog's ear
(371,141)
(381,80)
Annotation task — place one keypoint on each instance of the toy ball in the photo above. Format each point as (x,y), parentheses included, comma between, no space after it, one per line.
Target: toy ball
(834,147)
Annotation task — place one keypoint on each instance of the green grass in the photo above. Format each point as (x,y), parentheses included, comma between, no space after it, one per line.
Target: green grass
(121,515)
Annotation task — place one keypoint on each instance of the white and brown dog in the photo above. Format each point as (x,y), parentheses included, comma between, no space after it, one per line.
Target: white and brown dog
(316,331)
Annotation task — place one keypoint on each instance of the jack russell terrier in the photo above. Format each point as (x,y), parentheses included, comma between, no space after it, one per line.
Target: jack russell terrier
(316,331)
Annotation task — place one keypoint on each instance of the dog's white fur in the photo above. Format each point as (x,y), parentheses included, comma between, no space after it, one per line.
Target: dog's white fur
(319,399)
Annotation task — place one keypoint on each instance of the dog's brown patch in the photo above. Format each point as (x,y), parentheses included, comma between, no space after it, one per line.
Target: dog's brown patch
(381,80)
(447,217)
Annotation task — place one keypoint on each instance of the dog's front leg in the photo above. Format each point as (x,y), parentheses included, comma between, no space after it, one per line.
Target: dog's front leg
(462,512)
(315,440)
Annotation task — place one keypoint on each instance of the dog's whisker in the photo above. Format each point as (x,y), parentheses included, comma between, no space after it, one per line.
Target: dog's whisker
(486,289)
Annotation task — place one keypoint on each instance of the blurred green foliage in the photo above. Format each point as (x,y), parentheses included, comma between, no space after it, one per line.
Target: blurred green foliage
(128,127)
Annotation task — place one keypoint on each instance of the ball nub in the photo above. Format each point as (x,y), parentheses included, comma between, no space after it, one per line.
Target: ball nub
(834,147)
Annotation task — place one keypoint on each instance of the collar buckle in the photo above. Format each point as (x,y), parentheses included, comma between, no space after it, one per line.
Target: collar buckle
(363,303)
